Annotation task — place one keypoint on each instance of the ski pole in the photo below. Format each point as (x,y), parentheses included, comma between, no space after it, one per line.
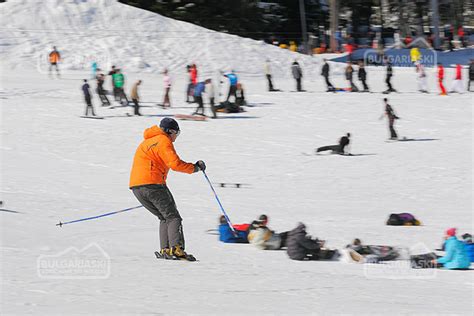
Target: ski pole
(220,204)
(60,224)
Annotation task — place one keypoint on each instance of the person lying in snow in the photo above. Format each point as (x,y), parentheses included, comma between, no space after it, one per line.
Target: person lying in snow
(300,246)
(263,238)
(226,234)
(370,254)
(338,149)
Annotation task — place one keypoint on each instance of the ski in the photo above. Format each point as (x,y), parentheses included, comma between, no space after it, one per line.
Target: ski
(185,117)
(231,185)
(92,117)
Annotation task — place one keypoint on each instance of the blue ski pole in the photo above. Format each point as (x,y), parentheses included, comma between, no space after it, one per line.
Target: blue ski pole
(220,204)
(60,224)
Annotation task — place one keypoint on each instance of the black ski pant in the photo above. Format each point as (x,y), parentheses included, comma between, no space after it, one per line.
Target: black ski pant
(364,83)
(389,84)
(270,83)
(189,92)
(55,65)
(469,85)
(334,148)
(213,108)
(328,83)
(166,100)
(136,107)
(232,92)
(158,199)
(103,98)
(200,103)
(89,105)
(298,84)
(391,123)
(353,86)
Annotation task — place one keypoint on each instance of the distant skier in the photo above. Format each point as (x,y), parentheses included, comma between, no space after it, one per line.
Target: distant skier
(94,69)
(167,85)
(154,157)
(349,77)
(119,82)
(390,113)
(471,75)
(111,73)
(233,80)
(240,95)
(87,97)
(389,76)
(441,78)
(135,98)
(362,74)
(457,85)
(268,73)
(297,74)
(199,88)
(209,90)
(101,91)
(421,78)
(325,74)
(338,149)
(54,59)
(193,75)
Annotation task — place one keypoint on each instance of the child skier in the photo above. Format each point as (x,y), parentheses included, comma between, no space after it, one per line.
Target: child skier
(167,85)
(441,78)
(87,97)
(421,78)
(390,113)
(54,59)
(457,86)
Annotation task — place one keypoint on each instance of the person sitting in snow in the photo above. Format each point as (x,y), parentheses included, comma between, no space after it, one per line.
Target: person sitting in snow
(456,257)
(300,246)
(338,149)
(263,238)
(467,239)
(226,235)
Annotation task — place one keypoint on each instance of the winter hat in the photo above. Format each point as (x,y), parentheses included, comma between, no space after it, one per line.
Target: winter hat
(451,232)
(168,124)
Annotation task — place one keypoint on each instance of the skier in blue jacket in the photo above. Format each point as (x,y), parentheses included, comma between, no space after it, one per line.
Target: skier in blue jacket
(467,238)
(233,80)
(456,255)
(199,88)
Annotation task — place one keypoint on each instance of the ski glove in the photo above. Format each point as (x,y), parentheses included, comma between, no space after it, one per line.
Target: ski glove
(199,165)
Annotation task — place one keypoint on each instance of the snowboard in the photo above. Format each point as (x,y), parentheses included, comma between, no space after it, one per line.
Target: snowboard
(186,117)
(189,257)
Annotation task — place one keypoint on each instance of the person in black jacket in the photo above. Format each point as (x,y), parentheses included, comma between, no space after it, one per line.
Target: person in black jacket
(389,76)
(362,74)
(325,74)
(349,77)
(338,149)
(300,246)
(390,113)
(471,75)
(87,97)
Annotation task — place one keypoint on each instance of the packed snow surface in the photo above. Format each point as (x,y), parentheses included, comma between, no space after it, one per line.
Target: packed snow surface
(56,166)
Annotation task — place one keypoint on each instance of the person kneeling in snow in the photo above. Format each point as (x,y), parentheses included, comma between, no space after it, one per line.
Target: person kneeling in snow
(456,257)
(338,149)
(263,238)
(303,247)
(226,234)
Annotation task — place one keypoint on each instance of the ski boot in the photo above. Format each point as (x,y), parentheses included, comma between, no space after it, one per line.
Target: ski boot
(164,253)
(179,254)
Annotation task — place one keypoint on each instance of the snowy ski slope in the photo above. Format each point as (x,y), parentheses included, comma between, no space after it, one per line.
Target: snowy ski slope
(56,166)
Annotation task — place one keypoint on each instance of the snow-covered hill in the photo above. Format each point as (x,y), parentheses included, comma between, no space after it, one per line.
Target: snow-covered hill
(136,40)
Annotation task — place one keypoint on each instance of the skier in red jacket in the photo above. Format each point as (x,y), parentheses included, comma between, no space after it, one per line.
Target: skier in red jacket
(456,86)
(440,79)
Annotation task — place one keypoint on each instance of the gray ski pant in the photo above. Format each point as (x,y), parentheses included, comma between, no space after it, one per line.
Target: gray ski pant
(158,200)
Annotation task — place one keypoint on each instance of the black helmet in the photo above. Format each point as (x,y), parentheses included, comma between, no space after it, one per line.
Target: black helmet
(167,124)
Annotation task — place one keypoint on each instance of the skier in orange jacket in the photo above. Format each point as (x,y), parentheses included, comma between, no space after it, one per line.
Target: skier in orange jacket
(154,157)
(441,78)
(54,59)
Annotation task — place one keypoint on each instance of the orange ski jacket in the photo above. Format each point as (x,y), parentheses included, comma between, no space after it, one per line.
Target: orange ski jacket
(154,157)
